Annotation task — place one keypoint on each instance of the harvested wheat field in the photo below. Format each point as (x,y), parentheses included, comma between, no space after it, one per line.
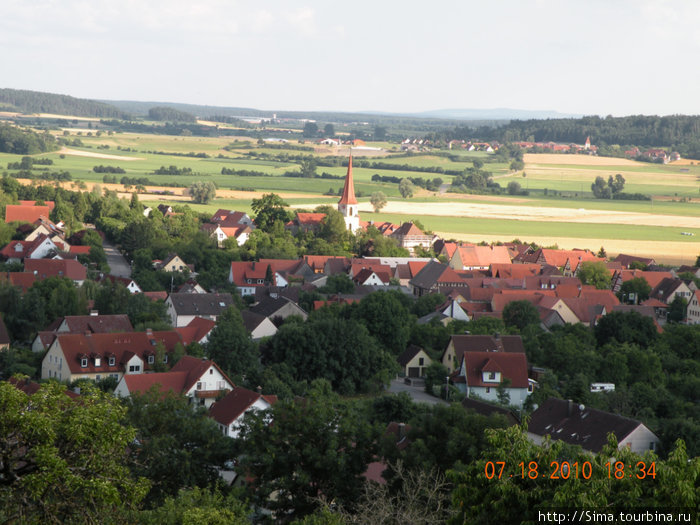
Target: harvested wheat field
(579,160)
(673,253)
(79,153)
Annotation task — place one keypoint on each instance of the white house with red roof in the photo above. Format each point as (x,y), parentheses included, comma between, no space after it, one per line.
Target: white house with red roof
(369,277)
(410,237)
(18,251)
(481,373)
(347,205)
(229,411)
(98,356)
(693,311)
(199,379)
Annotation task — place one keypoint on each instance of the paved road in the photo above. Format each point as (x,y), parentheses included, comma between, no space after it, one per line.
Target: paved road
(417,393)
(116,261)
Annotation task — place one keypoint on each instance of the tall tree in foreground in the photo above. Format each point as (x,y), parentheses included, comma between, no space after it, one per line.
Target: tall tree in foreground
(64,460)
(312,450)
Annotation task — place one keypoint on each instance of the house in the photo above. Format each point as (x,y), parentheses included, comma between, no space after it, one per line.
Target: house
(197,331)
(190,286)
(229,411)
(434,277)
(475,257)
(81,324)
(588,427)
(229,224)
(369,277)
(39,248)
(627,260)
(24,213)
(215,232)
(667,290)
(414,361)
(173,263)
(306,222)
(452,356)
(258,326)
(410,237)
(692,315)
(45,268)
(250,275)
(126,282)
(278,308)
(98,356)
(22,280)
(483,374)
(201,380)
(652,278)
(184,307)
(228,218)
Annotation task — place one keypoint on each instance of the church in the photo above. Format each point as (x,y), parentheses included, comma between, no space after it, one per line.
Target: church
(347,205)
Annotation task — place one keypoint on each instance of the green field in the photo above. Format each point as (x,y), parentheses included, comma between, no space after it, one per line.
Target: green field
(524,229)
(676,188)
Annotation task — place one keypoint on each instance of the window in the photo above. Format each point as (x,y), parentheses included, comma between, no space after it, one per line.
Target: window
(199,385)
(420,361)
(111,361)
(151,359)
(134,368)
(652,445)
(83,362)
(211,371)
(98,360)
(115,376)
(492,375)
(220,385)
(98,377)
(165,358)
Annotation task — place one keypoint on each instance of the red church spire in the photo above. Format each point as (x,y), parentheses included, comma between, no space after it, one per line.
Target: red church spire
(349,188)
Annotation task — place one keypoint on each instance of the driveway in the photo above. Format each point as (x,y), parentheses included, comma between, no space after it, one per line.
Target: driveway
(417,393)
(117,263)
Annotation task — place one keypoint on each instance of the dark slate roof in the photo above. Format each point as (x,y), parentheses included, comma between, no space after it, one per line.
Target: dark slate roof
(587,427)
(251,320)
(201,303)
(269,306)
(408,354)
(487,409)
(435,272)
(665,288)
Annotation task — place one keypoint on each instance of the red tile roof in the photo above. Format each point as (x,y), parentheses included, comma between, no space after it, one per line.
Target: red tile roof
(122,346)
(512,366)
(196,330)
(310,218)
(44,268)
(20,213)
(50,204)
(23,280)
(234,404)
(166,381)
(195,368)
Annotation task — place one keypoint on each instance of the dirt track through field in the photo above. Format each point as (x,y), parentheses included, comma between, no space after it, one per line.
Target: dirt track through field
(532,213)
(80,153)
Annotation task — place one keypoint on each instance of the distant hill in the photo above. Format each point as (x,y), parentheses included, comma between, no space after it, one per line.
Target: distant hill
(493,114)
(38,102)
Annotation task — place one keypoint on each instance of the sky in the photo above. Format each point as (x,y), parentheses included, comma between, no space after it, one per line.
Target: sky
(601,57)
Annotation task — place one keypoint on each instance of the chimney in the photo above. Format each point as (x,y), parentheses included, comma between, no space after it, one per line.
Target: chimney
(569,408)
(259,389)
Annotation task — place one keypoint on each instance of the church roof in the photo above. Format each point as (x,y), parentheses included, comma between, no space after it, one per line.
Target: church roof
(349,188)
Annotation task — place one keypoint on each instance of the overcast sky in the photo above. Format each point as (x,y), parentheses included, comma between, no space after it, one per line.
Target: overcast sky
(616,57)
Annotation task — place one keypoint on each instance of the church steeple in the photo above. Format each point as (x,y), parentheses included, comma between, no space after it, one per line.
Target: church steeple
(349,188)
(347,205)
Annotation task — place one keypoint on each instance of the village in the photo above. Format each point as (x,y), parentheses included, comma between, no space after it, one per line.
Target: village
(457,321)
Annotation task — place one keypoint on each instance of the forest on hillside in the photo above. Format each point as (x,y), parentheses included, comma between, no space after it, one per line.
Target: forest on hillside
(38,102)
(678,132)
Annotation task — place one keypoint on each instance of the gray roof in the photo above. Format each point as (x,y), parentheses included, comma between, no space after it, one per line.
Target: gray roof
(251,320)
(200,303)
(587,427)
(269,306)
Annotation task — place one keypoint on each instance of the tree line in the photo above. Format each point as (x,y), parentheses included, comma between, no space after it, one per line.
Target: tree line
(39,102)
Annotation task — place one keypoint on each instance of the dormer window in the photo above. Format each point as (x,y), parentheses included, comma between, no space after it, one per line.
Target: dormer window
(492,376)
(83,362)
(112,361)
(151,359)
(98,360)
(165,358)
